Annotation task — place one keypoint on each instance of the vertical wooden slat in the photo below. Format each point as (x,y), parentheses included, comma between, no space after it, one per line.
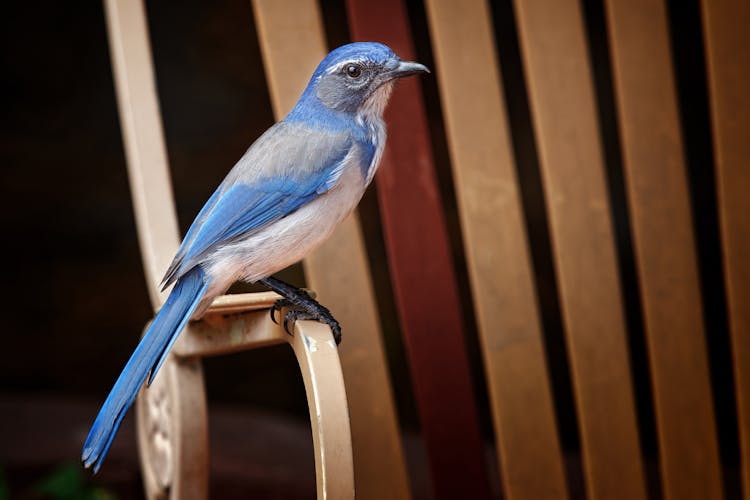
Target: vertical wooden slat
(497,250)
(422,271)
(726,24)
(665,247)
(570,153)
(292,42)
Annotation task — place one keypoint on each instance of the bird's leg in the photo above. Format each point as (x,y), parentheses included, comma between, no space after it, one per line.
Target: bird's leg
(301,305)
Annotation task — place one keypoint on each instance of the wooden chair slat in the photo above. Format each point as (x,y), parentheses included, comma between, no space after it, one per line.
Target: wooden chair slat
(725,24)
(292,42)
(422,271)
(561,96)
(497,250)
(665,248)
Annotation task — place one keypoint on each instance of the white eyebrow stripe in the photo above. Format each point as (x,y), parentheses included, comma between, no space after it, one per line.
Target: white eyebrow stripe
(340,65)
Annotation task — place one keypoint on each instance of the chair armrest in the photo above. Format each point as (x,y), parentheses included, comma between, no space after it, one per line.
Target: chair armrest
(172,414)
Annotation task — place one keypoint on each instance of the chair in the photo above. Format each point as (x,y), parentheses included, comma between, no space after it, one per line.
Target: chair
(571,156)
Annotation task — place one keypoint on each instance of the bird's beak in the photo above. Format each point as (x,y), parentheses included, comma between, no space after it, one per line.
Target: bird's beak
(407,68)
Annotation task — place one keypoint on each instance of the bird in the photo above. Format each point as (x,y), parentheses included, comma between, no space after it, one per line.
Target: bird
(281,200)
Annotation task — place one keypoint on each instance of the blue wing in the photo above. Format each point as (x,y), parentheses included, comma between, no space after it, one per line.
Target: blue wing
(250,200)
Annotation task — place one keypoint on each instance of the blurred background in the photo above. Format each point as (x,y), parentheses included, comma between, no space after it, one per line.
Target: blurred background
(75,299)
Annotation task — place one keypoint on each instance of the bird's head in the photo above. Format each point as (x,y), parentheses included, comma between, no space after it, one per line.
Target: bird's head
(358,78)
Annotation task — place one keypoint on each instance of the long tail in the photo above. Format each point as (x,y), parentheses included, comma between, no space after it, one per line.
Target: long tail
(147,358)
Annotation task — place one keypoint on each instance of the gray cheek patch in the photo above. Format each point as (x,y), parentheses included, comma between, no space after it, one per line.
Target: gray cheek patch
(336,94)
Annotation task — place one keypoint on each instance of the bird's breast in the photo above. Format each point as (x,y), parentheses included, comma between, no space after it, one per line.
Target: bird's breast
(290,239)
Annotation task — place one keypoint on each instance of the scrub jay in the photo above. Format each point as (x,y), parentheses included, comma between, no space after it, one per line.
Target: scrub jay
(285,196)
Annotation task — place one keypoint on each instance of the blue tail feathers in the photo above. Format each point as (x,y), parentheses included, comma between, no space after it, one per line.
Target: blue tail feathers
(147,359)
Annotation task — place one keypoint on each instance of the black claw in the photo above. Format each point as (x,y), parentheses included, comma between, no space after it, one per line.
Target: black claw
(286,323)
(336,329)
(325,316)
(302,306)
(277,306)
(291,317)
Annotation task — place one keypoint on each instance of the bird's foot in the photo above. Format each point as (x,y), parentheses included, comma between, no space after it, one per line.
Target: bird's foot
(299,314)
(312,310)
(301,306)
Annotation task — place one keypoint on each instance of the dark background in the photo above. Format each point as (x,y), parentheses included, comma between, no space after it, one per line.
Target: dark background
(75,300)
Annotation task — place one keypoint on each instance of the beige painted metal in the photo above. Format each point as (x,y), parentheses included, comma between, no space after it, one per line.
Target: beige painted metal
(727,36)
(656,181)
(172,423)
(167,423)
(218,333)
(177,405)
(561,96)
(293,43)
(241,302)
(318,360)
(143,137)
(172,431)
(497,250)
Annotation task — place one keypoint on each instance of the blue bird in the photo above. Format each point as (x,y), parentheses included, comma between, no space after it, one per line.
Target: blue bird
(283,198)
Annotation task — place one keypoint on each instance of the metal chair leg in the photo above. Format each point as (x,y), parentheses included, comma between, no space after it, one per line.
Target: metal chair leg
(172,429)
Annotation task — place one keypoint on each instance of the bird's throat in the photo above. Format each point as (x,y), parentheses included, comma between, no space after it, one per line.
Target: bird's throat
(376,102)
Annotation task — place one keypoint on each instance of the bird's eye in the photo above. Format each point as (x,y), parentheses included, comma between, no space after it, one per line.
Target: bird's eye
(353,71)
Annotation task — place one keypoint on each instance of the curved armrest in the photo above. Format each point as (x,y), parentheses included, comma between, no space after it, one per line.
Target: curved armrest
(172,414)
(318,359)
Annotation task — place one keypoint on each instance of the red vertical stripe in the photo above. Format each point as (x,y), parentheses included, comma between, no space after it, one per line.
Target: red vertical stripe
(422,271)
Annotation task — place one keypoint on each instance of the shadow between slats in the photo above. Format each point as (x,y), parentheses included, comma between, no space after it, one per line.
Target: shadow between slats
(663,237)
(497,250)
(555,56)
(537,228)
(727,49)
(690,76)
(639,361)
